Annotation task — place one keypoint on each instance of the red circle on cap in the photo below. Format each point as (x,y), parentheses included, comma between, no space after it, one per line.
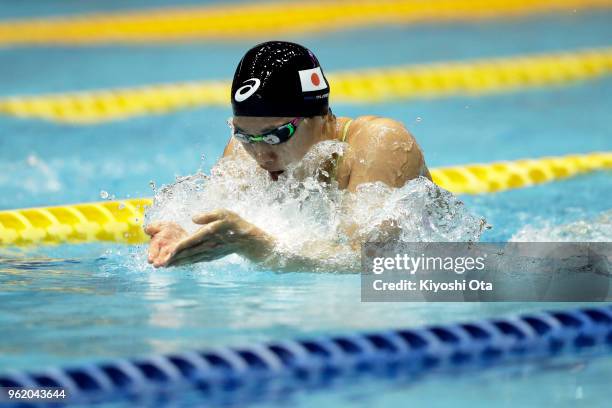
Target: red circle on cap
(314,78)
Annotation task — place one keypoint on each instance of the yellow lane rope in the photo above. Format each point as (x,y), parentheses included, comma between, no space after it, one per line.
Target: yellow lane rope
(248,21)
(499,176)
(114,221)
(121,221)
(359,86)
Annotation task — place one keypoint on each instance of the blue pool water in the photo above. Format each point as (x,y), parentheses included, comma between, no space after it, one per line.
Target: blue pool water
(68,304)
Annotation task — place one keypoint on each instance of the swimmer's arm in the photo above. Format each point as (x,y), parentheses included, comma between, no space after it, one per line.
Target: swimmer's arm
(224,232)
(386,152)
(323,255)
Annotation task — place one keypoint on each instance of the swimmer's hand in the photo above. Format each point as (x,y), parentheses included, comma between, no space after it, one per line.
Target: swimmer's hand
(223,232)
(165,236)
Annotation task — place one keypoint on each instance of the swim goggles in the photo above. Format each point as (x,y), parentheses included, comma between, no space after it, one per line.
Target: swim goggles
(276,136)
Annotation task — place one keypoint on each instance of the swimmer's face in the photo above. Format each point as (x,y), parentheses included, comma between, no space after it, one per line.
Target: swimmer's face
(276,158)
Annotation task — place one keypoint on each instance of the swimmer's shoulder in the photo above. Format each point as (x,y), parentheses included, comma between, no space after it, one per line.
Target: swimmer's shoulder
(364,130)
(234,150)
(380,148)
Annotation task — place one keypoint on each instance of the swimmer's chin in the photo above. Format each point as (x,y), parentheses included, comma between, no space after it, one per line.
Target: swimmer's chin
(275,173)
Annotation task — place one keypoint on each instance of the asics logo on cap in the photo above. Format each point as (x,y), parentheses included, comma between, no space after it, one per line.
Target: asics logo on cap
(245,91)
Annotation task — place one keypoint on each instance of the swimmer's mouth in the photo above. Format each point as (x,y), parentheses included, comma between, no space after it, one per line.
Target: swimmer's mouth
(275,174)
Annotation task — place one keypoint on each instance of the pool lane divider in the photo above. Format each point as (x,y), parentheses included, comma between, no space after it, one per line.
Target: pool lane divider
(373,85)
(264,20)
(278,367)
(121,221)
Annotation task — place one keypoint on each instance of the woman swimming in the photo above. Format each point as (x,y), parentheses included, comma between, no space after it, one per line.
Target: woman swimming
(280,100)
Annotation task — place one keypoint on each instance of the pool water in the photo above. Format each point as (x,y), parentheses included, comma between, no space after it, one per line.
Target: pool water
(569,384)
(69,304)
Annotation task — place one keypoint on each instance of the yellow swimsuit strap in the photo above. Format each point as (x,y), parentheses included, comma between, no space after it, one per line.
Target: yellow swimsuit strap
(346,128)
(344,133)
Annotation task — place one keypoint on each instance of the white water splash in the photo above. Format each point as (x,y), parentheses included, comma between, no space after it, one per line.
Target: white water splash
(598,229)
(301,211)
(43,177)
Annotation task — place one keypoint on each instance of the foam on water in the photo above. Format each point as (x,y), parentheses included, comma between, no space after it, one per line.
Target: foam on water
(598,229)
(35,175)
(309,215)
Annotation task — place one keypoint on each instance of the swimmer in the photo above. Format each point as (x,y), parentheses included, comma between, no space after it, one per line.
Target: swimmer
(280,103)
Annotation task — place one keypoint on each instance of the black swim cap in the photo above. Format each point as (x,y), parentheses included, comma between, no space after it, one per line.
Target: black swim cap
(279,78)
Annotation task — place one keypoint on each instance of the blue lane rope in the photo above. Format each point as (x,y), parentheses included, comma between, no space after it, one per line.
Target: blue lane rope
(417,351)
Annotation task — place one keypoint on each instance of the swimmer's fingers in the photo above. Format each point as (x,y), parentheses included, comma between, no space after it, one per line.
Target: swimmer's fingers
(203,234)
(154,249)
(205,251)
(154,227)
(163,257)
(211,216)
(206,245)
(208,251)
